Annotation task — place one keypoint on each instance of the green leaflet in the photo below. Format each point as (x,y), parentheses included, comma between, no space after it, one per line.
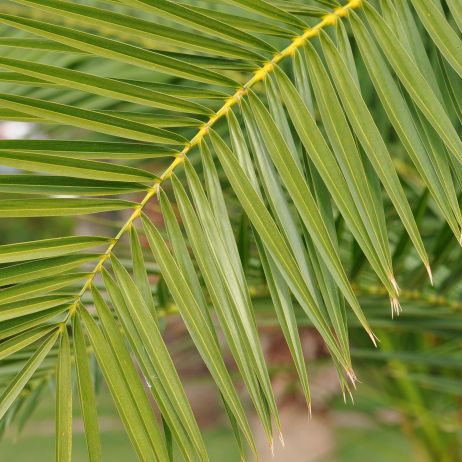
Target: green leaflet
(369,136)
(404,244)
(59,207)
(456,10)
(358,211)
(288,222)
(303,200)
(181,253)
(302,81)
(409,31)
(273,240)
(90,120)
(113,49)
(211,62)
(49,247)
(181,91)
(67,166)
(274,191)
(168,439)
(285,312)
(159,121)
(444,36)
(15,387)
(43,268)
(243,242)
(453,85)
(15,310)
(240,149)
(88,149)
(38,44)
(140,401)
(16,78)
(226,308)
(415,83)
(144,29)
(243,23)
(290,226)
(120,390)
(348,157)
(42,286)
(270,10)
(86,392)
(12,115)
(187,16)
(32,320)
(160,373)
(402,120)
(278,288)
(228,264)
(332,297)
(220,211)
(276,109)
(58,185)
(102,86)
(307,10)
(139,271)
(401,19)
(21,341)
(64,400)
(344,46)
(197,325)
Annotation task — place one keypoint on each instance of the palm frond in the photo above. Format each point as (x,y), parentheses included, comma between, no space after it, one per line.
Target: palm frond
(318,125)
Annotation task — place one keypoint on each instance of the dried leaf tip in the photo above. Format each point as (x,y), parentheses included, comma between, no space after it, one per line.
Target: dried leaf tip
(394,284)
(351,396)
(309,411)
(272,447)
(374,338)
(281,439)
(352,376)
(429,271)
(395,307)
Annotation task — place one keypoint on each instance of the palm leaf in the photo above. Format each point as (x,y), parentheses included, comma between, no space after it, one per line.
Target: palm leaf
(316,143)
